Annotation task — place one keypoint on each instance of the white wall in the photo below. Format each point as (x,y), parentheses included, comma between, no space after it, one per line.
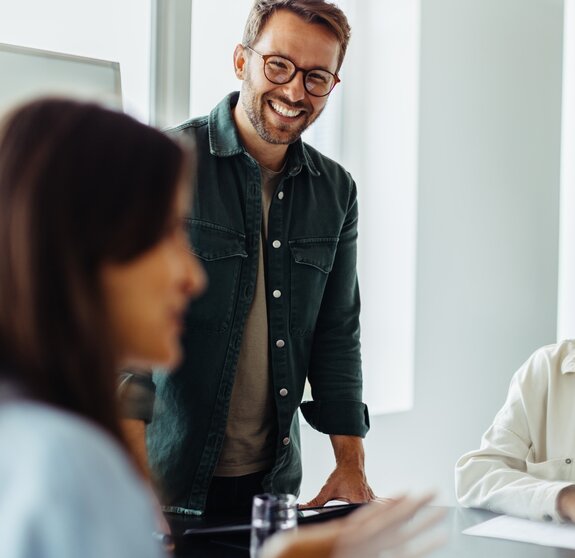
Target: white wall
(487,255)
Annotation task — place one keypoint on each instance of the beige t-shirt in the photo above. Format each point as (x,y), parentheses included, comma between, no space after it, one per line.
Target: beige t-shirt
(249,442)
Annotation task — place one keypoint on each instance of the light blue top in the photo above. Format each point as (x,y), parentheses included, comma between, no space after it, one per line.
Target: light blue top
(67,490)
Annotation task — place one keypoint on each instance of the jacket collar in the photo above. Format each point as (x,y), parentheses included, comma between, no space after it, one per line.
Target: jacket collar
(225,140)
(568,364)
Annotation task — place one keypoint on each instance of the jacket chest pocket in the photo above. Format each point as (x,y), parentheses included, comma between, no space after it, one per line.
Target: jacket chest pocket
(221,252)
(311,262)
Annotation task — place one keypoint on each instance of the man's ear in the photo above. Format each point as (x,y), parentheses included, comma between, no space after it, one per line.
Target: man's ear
(239,61)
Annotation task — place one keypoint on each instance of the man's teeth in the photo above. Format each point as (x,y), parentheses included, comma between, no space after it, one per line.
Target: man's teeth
(285,111)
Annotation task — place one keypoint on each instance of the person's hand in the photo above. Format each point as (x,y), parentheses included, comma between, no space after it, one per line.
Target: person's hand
(566,503)
(347,483)
(377,530)
(386,530)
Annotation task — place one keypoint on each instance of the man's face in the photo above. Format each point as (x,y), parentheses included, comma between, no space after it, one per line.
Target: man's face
(280,113)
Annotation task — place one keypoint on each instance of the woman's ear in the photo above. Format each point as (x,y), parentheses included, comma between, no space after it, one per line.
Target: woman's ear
(239,61)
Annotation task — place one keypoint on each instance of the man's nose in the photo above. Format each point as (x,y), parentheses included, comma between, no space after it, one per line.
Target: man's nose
(294,90)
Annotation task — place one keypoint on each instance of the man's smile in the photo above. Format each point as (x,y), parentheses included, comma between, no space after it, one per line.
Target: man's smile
(284,111)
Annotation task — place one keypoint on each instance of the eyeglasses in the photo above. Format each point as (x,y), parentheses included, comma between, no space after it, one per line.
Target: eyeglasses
(280,70)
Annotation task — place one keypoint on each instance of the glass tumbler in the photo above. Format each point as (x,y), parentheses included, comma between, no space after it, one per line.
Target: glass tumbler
(271,513)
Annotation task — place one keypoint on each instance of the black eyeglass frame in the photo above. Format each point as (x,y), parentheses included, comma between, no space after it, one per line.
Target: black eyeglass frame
(297,69)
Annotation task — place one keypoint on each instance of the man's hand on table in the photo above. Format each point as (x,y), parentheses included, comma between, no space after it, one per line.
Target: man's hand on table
(347,482)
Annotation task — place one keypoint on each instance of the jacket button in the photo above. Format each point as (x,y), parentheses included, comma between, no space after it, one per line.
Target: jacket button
(276,244)
(280,343)
(285,441)
(283,392)
(568,461)
(280,196)
(277,293)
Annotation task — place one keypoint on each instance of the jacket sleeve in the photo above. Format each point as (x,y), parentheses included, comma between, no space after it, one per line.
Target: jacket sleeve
(496,476)
(335,363)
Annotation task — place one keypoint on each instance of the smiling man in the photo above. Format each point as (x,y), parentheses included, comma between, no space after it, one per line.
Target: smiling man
(275,225)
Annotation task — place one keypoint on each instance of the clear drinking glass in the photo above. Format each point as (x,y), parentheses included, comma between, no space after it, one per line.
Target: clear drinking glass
(271,513)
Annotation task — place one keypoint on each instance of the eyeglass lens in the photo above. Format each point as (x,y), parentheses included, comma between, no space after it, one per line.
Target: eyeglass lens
(280,70)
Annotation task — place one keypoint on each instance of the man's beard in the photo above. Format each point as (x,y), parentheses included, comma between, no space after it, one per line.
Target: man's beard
(275,133)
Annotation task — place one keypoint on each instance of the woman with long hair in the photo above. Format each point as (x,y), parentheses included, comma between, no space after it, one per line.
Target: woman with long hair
(95,273)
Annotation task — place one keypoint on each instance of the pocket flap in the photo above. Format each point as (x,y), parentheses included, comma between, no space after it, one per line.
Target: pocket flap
(316,252)
(213,242)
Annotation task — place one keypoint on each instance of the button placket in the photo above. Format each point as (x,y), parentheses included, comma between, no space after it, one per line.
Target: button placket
(278,326)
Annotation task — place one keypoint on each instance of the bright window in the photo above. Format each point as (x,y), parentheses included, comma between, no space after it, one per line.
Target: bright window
(107,29)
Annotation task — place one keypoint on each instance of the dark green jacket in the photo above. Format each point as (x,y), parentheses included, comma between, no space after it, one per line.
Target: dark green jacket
(313,325)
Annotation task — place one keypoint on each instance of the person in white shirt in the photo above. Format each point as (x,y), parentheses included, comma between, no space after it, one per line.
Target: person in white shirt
(96,275)
(525,465)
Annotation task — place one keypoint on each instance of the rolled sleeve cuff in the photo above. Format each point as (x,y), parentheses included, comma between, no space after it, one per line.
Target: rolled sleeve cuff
(346,418)
(137,394)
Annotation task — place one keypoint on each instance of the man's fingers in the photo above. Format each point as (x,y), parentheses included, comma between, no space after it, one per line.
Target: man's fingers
(324,496)
(314,503)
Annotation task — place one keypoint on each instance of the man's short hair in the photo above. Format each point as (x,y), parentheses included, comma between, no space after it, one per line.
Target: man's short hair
(311,11)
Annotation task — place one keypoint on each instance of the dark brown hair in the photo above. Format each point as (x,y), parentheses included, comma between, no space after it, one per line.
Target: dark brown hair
(80,185)
(311,11)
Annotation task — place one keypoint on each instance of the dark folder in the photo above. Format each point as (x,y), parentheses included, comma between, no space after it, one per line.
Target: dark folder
(235,531)
(207,526)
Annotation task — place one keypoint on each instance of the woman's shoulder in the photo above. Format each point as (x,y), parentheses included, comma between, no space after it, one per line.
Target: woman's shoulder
(41,430)
(57,448)
(62,470)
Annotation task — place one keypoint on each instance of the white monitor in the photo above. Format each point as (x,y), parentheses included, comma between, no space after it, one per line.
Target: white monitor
(27,73)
